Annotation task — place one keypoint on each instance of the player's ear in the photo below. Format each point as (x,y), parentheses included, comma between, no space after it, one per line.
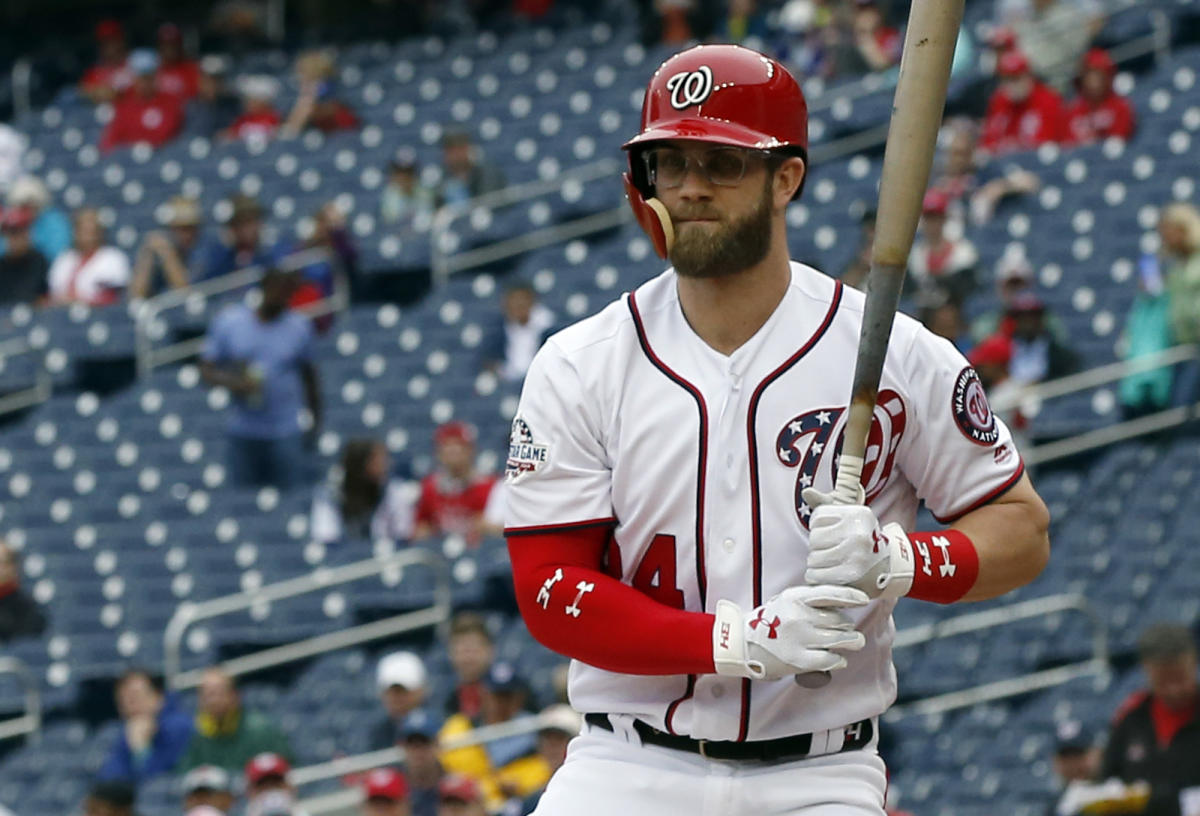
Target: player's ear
(789,176)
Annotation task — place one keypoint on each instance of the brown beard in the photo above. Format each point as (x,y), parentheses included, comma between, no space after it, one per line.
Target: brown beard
(728,249)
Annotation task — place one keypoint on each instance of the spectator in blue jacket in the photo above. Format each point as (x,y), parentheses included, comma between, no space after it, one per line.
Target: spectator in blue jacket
(516,333)
(154,734)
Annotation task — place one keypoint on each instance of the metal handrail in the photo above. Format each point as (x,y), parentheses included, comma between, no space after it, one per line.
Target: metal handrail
(1097,664)
(31,720)
(320,579)
(42,385)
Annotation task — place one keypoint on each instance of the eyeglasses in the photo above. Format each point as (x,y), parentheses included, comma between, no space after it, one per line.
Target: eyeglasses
(666,167)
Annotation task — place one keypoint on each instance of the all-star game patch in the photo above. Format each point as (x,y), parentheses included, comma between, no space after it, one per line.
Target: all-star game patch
(524,455)
(972,413)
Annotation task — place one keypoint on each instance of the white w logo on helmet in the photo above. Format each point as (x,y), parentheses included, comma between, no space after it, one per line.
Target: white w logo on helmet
(690,87)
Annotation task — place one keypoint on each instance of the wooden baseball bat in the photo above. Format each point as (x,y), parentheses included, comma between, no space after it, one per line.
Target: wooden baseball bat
(912,137)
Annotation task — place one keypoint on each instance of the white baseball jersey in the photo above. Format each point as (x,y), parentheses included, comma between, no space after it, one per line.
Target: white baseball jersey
(698,460)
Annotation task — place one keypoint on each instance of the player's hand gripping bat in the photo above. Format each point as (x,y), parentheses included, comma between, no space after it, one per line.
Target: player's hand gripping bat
(912,136)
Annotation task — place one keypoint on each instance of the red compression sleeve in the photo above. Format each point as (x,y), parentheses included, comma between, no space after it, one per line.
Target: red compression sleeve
(946,566)
(571,606)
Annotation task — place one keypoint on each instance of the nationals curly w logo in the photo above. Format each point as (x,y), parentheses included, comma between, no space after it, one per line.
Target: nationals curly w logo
(690,87)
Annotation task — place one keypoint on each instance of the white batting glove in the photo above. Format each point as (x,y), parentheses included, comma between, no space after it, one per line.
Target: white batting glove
(847,547)
(800,630)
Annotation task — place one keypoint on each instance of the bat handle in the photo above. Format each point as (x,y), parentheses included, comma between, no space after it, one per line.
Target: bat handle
(848,488)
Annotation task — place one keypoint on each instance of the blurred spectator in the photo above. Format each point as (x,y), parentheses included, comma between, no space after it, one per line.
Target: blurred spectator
(1014,276)
(385,793)
(471,653)
(1098,112)
(90,272)
(178,74)
(368,502)
(855,273)
(937,261)
(268,791)
(258,120)
(264,357)
(1036,353)
(1147,331)
(507,767)
(517,333)
(214,107)
(973,191)
(146,113)
(406,202)
(991,360)
(460,795)
(227,735)
(208,786)
(464,173)
(878,45)
(1155,735)
(322,278)
(454,497)
(20,615)
(744,23)
(12,154)
(110,75)
(1054,33)
(402,684)
(23,269)
(51,227)
(168,260)
(1023,112)
(317,105)
(110,799)
(1179,231)
(1076,760)
(154,733)
(422,766)
(943,316)
(240,243)
(561,724)
(675,25)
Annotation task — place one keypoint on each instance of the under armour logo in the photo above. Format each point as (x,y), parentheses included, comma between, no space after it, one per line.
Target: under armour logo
(543,596)
(946,570)
(584,588)
(690,87)
(879,539)
(771,625)
(854,732)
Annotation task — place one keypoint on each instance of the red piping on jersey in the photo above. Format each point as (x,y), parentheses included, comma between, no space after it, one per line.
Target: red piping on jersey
(542,529)
(701,470)
(995,494)
(755,499)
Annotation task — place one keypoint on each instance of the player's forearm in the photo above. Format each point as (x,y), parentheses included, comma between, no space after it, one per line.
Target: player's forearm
(1011,539)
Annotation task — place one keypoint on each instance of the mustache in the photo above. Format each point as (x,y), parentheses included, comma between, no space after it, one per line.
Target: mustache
(687,214)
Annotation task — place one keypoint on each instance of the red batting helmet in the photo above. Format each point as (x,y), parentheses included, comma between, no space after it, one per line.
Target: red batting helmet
(724,94)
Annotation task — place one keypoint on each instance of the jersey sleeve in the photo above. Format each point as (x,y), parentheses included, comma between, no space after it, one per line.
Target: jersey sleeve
(960,455)
(557,474)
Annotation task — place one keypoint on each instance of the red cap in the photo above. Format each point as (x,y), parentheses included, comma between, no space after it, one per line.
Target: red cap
(1097,59)
(169,32)
(16,218)
(385,783)
(935,202)
(462,788)
(996,350)
(1012,63)
(1003,39)
(454,432)
(265,765)
(109,30)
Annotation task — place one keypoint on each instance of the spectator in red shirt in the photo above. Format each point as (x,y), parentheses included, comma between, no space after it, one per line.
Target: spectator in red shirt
(259,119)
(454,497)
(109,76)
(939,262)
(177,73)
(1023,112)
(144,114)
(1099,111)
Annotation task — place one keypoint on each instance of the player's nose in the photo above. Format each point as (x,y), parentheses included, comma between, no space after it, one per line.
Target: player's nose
(695,184)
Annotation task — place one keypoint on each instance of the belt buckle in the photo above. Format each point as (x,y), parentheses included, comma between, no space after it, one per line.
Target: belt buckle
(701,746)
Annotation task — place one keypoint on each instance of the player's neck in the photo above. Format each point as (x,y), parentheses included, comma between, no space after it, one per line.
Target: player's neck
(725,312)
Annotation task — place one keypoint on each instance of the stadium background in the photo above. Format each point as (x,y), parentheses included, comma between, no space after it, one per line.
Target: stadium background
(112,486)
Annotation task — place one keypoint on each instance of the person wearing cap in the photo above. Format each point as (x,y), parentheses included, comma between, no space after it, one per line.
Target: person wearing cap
(178,74)
(505,768)
(464,173)
(208,786)
(422,765)
(154,731)
(1014,276)
(110,75)
(560,724)
(516,333)
(1098,112)
(454,497)
(22,268)
(169,259)
(259,119)
(385,793)
(269,792)
(109,799)
(405,201)
(145,114)
(265,357)
(991,359)
(460,795)
(1036,353)
(401,681)
(215,106)
(227,734)
(51,231)
(1023,111)
(239,244)
(1155,735)
(1076,763)
(938,261)
(91,271)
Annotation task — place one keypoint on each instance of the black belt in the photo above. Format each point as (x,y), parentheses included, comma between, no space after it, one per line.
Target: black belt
(776,750)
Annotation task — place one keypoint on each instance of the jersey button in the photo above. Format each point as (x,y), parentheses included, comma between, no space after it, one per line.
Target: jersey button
(728,545)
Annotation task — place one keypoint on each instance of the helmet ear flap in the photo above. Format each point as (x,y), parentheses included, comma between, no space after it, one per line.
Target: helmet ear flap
(652,216)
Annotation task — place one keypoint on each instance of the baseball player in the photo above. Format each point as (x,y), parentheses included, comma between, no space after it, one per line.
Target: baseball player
(669,517)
